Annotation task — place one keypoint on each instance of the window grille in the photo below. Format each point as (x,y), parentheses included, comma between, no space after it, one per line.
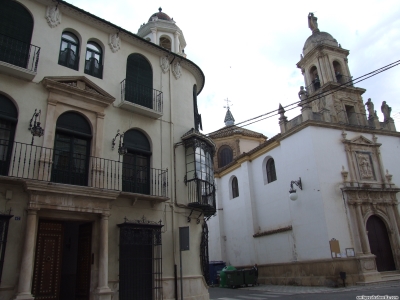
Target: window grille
(140,260)
(4,222)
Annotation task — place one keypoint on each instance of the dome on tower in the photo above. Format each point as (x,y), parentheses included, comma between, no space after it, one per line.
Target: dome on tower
(317,37)
(160,15)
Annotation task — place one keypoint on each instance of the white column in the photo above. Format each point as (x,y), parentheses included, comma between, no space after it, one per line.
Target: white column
(28,253)
(103,254)
(177,34)
(154,31)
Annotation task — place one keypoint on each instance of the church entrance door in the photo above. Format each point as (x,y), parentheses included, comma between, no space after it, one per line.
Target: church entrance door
(380,244)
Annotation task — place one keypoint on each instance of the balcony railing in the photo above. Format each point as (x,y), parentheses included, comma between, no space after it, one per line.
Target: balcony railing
(32,162)
(19,53)
(142,95)
(201,194)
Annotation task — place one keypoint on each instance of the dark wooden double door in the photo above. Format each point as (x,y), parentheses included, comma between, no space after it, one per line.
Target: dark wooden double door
(380,244)
(62,261)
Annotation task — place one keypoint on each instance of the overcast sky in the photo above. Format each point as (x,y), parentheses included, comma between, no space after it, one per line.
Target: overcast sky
(248,50)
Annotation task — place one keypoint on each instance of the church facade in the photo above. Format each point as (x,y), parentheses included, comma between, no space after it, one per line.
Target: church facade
(98,168)
(320,197)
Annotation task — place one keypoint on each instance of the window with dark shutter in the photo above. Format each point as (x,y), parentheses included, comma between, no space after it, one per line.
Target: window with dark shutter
(271,173)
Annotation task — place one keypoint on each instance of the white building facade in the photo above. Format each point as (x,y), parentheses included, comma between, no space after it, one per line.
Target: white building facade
(89,205)
(344,166)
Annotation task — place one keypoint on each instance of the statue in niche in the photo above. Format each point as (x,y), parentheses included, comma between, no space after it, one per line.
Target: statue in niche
(114,42)
(370,107)
(303,95)
(53,16)
(386,110)
(312,23)
(164,63)
(365,167)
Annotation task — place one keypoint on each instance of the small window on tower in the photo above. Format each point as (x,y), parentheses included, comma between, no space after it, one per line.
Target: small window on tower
(165,43)
(351,114)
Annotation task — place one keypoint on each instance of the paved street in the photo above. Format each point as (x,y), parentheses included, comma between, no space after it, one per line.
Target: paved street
(299,292)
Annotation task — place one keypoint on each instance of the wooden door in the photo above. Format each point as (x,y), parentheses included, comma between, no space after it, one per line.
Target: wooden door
(380,244)
(47,272)
(84,262)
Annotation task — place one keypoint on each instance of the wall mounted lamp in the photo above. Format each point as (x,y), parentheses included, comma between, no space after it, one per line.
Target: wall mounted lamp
(36,130)
(122,150)
(292,192)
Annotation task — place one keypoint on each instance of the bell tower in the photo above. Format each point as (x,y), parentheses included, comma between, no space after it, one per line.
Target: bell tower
(163,31)
(323,64)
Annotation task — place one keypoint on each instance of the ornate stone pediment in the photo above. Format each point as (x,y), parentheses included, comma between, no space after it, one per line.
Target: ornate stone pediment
(365,163)
(79,87)
(362,140)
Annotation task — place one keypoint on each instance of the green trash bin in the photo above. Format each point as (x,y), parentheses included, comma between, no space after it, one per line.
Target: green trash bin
(234,278)
(223,278)
(250,277)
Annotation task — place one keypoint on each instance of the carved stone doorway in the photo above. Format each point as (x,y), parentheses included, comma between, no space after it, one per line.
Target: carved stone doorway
(380,244)
(62,261)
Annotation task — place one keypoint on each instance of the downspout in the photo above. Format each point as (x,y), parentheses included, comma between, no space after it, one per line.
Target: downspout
(173,192)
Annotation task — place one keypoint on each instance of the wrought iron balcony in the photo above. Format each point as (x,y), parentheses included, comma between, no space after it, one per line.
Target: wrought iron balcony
(141,99)
(32,162)
(201,194)
(18,58)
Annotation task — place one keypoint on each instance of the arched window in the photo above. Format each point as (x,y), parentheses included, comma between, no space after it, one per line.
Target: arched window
(235,188)
(316,84)
(71,149)
(69,51)
(338,71)
(94,58)
(8,122)
(225,156)
(165,43)
(136,163)
(271,173)
(139,81)
(16,25)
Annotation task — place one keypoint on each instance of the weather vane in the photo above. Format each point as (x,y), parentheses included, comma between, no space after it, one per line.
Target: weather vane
(227,103)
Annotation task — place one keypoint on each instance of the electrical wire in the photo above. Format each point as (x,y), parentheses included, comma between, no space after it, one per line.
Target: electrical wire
(310,99)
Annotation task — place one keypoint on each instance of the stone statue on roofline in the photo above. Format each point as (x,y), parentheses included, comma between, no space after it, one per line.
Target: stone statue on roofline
(370,108)
(386,110)
(303,95)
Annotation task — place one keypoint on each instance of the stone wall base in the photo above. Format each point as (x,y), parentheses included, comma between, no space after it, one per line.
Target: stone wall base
(194,288)
(320,272)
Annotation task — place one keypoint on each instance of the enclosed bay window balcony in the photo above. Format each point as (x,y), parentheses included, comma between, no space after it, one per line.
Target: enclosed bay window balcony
(199,172)
(141,99)
(31,162)
(18,58)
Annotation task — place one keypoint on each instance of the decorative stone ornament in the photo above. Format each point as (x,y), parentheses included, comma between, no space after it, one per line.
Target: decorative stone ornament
(53,16)
(164,64)
(176,70)
(114,42)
